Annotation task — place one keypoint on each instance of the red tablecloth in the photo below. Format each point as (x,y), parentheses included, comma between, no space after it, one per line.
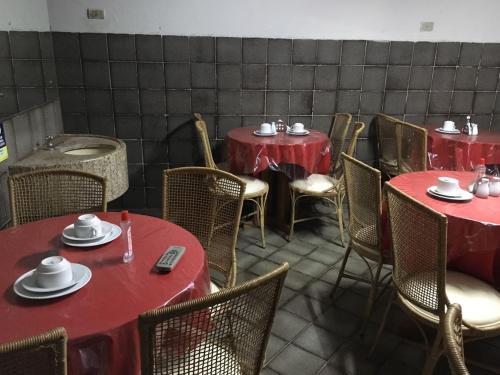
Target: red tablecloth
(460,152)
(250,154)
(101,318)
(473,227)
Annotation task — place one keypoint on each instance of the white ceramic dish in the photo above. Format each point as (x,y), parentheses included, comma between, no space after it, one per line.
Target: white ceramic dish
(259,134)
(29,283)
(291,132)
(69,232)
(436,191)
(113,234)
(441,130)
(464,195)
(78,269)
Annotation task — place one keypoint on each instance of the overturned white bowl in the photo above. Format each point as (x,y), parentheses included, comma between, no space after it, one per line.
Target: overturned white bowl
(53,272)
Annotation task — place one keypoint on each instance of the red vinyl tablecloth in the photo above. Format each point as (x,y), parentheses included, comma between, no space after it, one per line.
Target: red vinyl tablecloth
(250,154)
(461,152)
(100,318)
(473,226)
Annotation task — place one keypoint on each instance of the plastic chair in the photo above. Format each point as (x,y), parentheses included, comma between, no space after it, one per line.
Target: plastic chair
(223,333)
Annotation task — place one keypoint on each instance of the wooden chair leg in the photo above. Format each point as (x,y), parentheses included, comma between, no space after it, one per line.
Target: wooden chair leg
(434,355)
(262,211)
(341,271)
(373,294)
(382,324)
(292,214)
(340,217)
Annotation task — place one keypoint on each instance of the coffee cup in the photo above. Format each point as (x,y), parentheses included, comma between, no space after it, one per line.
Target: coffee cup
(449,125)
(266,128)
(53,272)
(88,226)
(298,127)
(447,186)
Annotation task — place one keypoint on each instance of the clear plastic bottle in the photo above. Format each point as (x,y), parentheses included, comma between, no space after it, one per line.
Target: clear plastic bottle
(126,225)
(480,170)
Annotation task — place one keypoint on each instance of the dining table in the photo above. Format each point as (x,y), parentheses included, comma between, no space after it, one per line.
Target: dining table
(101,317)
(473,233)
(277,159)
(459,151)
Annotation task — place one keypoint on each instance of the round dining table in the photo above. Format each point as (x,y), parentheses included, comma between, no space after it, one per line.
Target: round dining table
(461,152)
(250,154)
(101,317)
(473,234)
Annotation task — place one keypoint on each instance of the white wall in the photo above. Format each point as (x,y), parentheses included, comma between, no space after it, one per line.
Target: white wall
(454,20)
(25,15)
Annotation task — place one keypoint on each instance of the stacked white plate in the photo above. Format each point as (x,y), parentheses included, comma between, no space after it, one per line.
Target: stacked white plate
(441,130)
(291,132)
(26,286)
(461,195)
(258,133)
(110,232)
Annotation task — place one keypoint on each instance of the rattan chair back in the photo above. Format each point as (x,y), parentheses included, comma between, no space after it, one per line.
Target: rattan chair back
(412,148)
(387,139)
(353,142)
(43,354)
(222,333)
(48,193)
(340,127)
(207,202)
(419,251)
(364,196)
(201,127)
(453,340)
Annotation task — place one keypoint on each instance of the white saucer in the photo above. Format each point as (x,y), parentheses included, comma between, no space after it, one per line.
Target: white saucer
(112,234)
(441,130)
(305,132)
(259,134)
(83,273)
(69,232)
(28,281)
(464,195)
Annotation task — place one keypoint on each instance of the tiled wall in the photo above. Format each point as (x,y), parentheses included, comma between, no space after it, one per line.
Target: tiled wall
(143,89)
(27,71)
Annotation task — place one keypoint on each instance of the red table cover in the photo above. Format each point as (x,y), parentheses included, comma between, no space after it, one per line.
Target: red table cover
(250,154)
(473,226)
(461,152)
(100,318)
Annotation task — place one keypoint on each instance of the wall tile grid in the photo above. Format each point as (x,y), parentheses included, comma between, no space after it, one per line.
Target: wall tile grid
(144,88)
(27,71)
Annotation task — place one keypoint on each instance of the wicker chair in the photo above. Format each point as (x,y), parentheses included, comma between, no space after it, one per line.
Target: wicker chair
(364,198)
(223,333)
(207,202)
(255,190)
(328,187)
(43,354)
(412,148)
(48,193)
(340,127)
(424,288)
(387,138)
(453,340)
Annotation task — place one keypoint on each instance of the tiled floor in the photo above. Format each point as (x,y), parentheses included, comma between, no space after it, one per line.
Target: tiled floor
(312,334)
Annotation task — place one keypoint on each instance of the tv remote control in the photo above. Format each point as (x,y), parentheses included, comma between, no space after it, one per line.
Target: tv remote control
(170,258)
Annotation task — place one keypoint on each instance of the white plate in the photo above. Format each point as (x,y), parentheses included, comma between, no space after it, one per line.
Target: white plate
(464,196)
(441,130)
(113,234)
(69,232)
(259,134)
(436,191)
(28,281)
(290,132)
(79,269)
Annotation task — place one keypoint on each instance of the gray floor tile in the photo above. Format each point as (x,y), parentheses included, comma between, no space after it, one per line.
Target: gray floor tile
(263,267)
(328,255)
(274,346)
(296,280)
(296,361)
(286,295)
(284,255)
(310,268)
(338,321)
(246,260)
(287,325)
(320,289)
(299,247)
(259,251)
(330,370)
(352,359)
(319,341)
(305,307)
(268,371)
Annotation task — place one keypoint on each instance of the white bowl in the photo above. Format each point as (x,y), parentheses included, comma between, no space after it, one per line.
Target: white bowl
(298,127)
(53,272)
(88,226)
(448,186)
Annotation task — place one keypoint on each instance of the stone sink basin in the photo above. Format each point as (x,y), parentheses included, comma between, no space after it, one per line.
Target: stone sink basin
(100,155)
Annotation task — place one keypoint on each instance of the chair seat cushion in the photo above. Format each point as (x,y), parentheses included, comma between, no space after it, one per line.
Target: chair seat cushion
(254,186)
(480,301)
(315,183)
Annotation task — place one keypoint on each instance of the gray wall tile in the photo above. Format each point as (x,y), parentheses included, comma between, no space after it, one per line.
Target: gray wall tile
(348,101)
(152,101)
(124,74)
(178,101)
(228,76)
(443,79)
(462,102)
(102,125)
(374,78)
(121,47)
(416,102)
(202,49)
(254,76)
(491,54)
(424,53)
(177,76)
(302,77)
(324,102)
(328,52)
(350,77)
(229,102)
(154,127)
(394,103)
(278,77)
(98,101)
(229,50)
(28,73)
(465,78)
(151,76)
(301,102)
(397,77)
(487,79)
(277,102)
(279,51)
(252,102)
(128,127)
(421,77)
(202,76)
(254,51)
(94,46)
(447,53)
(6,73)
(25,45)
(149,47)
(66,46)
(377,53)
(97,74)
(125,101)
(401,53)
(69,73)
(439,102)
(4,45)
(203,101)
(326,77)
(353,52)
(470,54)
(304,51)
(176,48)
(484,102)
(371,102)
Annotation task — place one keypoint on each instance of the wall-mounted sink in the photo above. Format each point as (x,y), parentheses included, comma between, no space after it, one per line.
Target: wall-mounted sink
(103,156)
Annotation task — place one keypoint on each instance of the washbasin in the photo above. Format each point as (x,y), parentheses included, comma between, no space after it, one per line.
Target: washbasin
(90,151)
(96,154)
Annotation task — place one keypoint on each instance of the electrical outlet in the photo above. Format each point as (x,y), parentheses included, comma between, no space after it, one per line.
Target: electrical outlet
(95,14)
(426,26)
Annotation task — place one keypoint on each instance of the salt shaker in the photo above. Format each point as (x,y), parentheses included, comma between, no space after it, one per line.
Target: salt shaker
(474,130)
(273,127)
(483,189)
(495,187)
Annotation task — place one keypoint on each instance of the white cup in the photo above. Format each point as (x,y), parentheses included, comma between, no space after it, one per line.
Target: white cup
(449,125)
(53,272)
(266,128)
(298,127)
(495,187)
(88,226)
(448,186)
